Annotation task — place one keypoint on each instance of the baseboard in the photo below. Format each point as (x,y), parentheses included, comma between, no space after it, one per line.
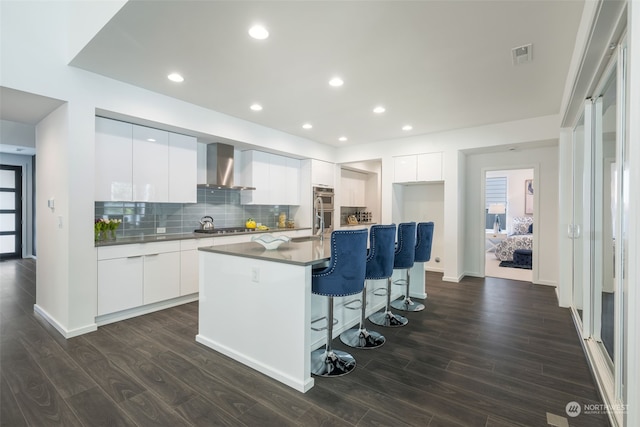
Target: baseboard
(66,333)
(105,319)
(546,283)
(452,278)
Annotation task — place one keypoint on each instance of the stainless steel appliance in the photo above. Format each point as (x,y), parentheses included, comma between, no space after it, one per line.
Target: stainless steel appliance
(323,203)
(326,195)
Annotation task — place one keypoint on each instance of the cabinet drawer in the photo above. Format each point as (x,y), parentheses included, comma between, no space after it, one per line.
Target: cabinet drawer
(138,249)
(186,245)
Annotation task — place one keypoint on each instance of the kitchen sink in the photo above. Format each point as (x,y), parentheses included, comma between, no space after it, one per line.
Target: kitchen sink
(304,238)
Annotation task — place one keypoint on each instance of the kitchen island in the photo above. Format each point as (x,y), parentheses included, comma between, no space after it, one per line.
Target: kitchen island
(256,305)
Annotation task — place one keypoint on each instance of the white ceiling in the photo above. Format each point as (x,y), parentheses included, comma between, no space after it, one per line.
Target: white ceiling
(436,65)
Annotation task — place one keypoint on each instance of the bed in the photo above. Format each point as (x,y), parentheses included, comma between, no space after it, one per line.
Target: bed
(521,238)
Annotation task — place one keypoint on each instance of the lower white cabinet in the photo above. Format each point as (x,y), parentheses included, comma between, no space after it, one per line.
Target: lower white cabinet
(130,276)
(189,273)
(161,277)
(120,284)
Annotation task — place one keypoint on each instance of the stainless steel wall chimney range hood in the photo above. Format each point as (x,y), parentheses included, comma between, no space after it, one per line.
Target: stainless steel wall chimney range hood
(220,168)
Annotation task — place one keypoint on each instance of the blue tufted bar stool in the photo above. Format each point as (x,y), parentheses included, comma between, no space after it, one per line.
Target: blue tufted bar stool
(405,258)
(404,253)
(343,276)
(379,266)
(424,241)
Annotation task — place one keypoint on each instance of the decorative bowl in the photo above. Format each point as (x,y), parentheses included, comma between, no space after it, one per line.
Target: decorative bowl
(269,241)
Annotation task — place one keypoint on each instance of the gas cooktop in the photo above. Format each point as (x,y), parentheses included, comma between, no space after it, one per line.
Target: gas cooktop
(228,230)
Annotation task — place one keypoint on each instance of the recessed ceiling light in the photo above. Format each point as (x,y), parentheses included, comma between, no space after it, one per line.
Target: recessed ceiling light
(336,82)
(175,77)
(307,126)
(258,32)
(342,139)
(151,140)
(256,107)
(379,109)
(407,127)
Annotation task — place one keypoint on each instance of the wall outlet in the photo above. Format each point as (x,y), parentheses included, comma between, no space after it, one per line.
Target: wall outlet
(255,274)
(161,230)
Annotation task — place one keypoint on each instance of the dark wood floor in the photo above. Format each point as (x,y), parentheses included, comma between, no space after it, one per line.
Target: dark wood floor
(486,352)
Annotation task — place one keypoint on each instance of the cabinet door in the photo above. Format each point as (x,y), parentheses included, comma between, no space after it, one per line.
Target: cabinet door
(189,277)
(277,180)
(255,173)
(183,168)
(120,284)
(161,276)
(404,168)
(429,167)
(113,161)
(292,181)
(150,164)
(322,173)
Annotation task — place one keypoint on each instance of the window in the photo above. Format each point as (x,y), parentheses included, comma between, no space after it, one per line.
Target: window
(495,192)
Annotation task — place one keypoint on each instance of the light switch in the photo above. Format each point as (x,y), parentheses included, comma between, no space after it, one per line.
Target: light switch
(51,203)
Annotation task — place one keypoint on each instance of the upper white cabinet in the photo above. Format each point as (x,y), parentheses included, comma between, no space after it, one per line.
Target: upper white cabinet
(417,168)
(276,179)
(353,188)
(322,173)
(292,181)
(183,171)
(150,164)
(113,161)
(137,163)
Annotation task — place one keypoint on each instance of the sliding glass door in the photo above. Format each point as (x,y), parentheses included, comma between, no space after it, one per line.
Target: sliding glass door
(598,229)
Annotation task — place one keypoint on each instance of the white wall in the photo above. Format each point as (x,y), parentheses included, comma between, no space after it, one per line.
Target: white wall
(544,161)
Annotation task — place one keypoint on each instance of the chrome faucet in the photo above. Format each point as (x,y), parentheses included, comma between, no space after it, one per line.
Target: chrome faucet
(319,216)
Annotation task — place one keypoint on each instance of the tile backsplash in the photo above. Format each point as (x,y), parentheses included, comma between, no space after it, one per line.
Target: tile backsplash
(143,218)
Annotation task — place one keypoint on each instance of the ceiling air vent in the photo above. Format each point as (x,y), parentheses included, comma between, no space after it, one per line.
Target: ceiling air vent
(521,54)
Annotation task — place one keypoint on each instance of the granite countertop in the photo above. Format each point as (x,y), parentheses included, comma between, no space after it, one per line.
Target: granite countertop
(185,236)
(305,252)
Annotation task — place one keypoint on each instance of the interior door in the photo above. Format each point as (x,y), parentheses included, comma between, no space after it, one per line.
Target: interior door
(10,211)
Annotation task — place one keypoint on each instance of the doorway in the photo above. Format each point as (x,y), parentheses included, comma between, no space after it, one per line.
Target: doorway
(10,211)
(508,218)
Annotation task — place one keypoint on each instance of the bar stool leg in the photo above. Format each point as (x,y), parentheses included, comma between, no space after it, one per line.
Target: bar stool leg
(360,337)
(387,318)
(328,362)
(406,304)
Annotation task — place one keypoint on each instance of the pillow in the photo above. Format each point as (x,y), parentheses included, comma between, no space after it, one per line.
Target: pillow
(521,224)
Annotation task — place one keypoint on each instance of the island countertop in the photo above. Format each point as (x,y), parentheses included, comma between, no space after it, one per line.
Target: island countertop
(301,252)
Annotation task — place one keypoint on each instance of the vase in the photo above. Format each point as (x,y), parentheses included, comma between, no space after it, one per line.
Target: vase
(112,234)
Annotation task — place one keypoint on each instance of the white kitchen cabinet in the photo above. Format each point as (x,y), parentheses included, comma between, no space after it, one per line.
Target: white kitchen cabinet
(277,179)
(137,163)
(292,181)
(189,270)
(322,173)
(274,177)
(429,167)
(161,276)
(131,276)
(183,168)
(150,164)
(417,168)
(120,284)
(353,189)
(113,162)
